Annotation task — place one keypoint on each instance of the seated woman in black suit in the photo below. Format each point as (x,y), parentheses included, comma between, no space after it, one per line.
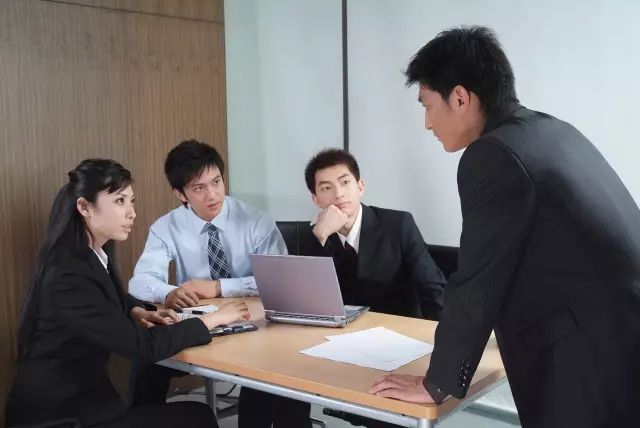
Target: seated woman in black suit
(77,313)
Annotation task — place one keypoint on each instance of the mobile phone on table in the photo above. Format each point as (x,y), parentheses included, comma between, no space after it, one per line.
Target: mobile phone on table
(239,327)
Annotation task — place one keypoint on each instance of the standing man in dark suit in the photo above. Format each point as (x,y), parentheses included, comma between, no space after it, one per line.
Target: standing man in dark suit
(549,252)
(381,258)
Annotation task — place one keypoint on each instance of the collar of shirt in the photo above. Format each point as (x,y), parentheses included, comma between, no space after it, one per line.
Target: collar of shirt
(353,238)
(219,221)
(104,259)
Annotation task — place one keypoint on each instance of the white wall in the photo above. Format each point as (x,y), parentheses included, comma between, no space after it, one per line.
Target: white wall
(577,60)
(284,97)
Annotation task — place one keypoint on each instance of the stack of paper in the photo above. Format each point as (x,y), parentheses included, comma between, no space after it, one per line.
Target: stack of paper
(376,348)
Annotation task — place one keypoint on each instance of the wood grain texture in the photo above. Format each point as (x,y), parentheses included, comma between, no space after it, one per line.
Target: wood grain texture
(275,358)
(207,10)
(79,82)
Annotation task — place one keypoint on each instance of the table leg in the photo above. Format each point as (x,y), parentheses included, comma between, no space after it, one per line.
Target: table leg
(426,423)
(210,394)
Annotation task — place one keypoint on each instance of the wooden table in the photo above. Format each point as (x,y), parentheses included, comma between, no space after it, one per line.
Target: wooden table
(269,359)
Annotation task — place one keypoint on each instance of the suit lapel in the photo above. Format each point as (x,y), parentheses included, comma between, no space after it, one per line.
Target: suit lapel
(111,285)
(115,280)
(369,235)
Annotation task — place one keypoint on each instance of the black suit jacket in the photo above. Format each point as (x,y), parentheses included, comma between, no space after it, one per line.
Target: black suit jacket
(550,259)
(396,274)
(82,316)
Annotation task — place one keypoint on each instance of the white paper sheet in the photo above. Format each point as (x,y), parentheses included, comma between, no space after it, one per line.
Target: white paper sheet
(376,348)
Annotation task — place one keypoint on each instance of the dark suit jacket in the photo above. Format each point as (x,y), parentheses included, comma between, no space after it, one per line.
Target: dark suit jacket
(550,259)
(396,274)
(82,316)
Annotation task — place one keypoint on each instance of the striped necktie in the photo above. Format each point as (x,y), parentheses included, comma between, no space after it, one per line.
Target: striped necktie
(218,266)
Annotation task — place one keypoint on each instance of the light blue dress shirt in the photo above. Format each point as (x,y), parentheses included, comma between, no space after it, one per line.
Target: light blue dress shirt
(181,236)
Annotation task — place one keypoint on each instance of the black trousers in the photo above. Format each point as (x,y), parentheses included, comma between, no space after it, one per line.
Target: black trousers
(149,383)
(256,409)
(171,415)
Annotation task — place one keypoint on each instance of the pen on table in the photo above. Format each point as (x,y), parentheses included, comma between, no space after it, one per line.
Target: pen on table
(189,311)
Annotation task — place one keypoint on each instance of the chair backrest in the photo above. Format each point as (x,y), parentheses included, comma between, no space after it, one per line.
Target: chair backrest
(446,257)
(290,234)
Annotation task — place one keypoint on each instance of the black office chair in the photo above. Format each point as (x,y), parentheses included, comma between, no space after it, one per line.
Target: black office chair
(446,258)
(290,234)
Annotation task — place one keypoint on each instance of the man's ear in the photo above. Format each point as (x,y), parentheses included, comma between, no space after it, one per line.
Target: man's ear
(82,205)
(460,97)
(178,194)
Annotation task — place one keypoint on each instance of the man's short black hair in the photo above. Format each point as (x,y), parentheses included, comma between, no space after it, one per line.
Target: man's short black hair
(468,56)
(328,158)
(188,160)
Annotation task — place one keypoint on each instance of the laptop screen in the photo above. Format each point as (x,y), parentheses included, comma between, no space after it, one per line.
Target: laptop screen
(298,284)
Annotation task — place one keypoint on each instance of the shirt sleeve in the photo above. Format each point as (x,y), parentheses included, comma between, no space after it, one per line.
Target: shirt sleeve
(151,274)
(268,240)
(238,287)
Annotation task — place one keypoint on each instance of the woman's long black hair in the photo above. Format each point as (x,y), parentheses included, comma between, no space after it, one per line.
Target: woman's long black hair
(66,228)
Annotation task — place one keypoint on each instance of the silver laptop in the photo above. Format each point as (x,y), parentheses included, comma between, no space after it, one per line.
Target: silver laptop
(302,290)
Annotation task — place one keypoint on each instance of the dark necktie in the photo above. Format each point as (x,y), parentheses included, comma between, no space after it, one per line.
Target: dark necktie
(218,266)
(348,268)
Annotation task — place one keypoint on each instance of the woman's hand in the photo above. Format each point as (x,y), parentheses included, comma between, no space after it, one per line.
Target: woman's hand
(149,319)
(227,314)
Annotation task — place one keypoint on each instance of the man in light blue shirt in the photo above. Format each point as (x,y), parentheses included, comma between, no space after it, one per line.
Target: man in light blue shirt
(209,238)
(182,236)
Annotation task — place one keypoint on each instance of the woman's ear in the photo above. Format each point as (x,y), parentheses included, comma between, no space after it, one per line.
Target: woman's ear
(82,205)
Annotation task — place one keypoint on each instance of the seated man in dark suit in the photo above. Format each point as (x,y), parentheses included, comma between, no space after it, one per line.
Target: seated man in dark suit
(381,258)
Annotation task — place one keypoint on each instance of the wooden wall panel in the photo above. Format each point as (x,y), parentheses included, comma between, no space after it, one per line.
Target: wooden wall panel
(78,82)
(208,10)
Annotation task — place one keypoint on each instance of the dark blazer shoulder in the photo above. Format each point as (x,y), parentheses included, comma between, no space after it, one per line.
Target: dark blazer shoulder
(372,215)
(69,262)
(69,267)
(386,212)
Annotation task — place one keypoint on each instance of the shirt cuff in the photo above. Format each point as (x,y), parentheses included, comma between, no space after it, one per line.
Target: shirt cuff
(161,292)
(238,287)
